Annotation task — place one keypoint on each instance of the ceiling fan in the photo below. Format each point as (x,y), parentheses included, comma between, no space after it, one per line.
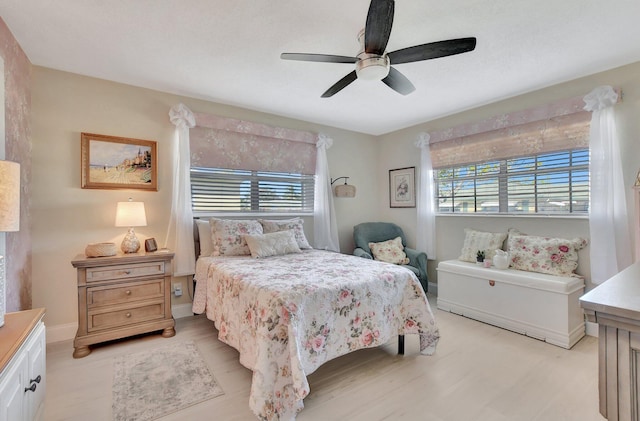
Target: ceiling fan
(373,63)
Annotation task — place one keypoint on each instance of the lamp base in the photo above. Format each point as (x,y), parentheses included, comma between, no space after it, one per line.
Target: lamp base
(130,243)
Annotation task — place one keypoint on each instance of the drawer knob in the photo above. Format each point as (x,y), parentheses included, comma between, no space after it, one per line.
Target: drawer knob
(36,380)
(128,292)
(128,315)
(31,388)
(492,282)
(127,272)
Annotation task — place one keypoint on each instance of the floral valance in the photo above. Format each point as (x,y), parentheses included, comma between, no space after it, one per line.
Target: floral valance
(551,127)
(559,133)
(222,142)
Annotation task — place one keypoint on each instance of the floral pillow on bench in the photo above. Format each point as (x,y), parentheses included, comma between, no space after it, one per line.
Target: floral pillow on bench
(555,256)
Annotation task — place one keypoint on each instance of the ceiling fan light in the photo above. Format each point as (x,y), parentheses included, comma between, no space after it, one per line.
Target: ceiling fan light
(372,68)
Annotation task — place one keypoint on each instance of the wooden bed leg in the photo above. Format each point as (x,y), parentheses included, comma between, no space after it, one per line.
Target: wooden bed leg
(400,344)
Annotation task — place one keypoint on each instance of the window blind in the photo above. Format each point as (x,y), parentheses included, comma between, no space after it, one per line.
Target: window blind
(229,190)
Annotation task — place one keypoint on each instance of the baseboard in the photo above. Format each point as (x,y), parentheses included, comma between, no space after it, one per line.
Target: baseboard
(591,329)
(59,333)
(182,310)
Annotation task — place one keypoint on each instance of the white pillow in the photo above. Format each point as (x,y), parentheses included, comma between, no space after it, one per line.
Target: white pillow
(294,224)
(390,251)
(204,235)
(475,241)
(272,244)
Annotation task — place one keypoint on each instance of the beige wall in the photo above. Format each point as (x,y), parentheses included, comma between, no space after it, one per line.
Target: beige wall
(66,218)
(399,151)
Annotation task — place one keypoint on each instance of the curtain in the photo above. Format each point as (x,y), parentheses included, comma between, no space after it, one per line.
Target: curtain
(216,148)
(325,227)
(610,249)
(555,134)
(426,207)
(550,127)
(223,142)
(181,221)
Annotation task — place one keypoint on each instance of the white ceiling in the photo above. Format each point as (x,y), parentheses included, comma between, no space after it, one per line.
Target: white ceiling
(228,51)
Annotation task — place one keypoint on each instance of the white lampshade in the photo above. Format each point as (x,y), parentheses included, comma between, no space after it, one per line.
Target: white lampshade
(9,196)
(345,190)
(9,216)
(131,214)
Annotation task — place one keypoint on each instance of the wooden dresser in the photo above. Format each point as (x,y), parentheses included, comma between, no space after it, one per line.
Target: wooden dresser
(121,296)
(22,366)
(615,306)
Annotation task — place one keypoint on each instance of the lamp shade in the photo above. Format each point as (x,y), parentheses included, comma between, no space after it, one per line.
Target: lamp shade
(131,214)
(345,190)
(9,196)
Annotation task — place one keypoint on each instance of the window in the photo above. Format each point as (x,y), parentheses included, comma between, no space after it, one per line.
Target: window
(549,183)
(224,190)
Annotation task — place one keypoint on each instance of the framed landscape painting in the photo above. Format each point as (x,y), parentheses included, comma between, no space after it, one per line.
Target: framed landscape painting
(402,188)
(110,162)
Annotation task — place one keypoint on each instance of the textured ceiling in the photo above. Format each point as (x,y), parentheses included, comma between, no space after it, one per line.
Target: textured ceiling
(229,51)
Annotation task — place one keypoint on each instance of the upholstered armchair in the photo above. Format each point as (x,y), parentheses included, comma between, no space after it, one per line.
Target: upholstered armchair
(375,232)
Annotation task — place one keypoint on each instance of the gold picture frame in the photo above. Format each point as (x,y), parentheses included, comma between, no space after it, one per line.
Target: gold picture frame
(111,162)
(402,188)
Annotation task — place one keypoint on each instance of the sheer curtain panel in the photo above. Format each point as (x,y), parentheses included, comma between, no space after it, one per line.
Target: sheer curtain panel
(425,206)
(325,227)
(610,249)
(181,221)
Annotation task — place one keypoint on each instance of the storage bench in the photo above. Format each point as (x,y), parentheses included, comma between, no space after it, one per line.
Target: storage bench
(538,305)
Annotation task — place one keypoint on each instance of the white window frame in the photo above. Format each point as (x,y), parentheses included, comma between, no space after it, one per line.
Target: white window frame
(492,183)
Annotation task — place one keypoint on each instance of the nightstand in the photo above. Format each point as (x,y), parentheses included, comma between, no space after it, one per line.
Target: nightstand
(121,296)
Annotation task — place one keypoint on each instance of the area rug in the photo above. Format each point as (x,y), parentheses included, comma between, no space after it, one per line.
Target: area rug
(151,384)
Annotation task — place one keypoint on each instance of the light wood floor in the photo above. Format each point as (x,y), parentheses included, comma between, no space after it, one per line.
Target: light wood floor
(479,372)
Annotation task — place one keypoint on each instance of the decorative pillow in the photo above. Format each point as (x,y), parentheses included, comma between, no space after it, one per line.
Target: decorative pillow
(272,244)
(204,235)
(555,256)
(488,242)
(227,236)
(390,251)
(294,224)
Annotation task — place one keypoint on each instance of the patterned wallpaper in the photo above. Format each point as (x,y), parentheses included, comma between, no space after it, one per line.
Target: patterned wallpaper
(17,76)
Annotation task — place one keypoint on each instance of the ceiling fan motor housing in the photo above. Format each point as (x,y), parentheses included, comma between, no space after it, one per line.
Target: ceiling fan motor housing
(372,66)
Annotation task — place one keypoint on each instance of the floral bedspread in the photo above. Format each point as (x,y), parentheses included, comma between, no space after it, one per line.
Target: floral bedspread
(287,315)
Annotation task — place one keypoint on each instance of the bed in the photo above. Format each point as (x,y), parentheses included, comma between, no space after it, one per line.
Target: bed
(287,314)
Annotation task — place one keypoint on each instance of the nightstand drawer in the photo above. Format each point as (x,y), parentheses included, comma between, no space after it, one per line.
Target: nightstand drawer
(99,320)
(125,293)
(96,274)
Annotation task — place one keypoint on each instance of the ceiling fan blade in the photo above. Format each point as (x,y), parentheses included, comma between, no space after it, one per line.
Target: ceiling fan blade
(378,27)
(340,85)
(398,82)
(324,58)
(432,50)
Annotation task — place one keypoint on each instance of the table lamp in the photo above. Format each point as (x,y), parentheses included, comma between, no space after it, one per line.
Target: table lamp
(9,216)
(130,214)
